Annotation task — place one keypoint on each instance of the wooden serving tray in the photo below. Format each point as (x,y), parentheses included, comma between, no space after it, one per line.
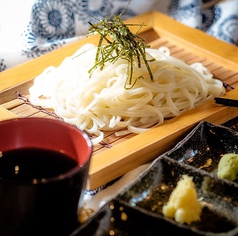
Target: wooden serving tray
(128,152)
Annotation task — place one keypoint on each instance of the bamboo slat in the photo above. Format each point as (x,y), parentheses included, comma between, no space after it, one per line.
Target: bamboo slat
(130,151)
(5,114)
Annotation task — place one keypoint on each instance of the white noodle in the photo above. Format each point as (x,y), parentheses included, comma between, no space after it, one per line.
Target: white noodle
(101,103)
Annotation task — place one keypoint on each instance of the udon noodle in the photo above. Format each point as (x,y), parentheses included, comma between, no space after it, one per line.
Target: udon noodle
(100,102)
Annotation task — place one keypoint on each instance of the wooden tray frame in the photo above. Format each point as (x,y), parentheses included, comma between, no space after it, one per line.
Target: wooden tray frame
(188,44)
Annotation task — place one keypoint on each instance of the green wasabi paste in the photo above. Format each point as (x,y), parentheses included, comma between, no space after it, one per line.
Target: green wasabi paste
(228,167)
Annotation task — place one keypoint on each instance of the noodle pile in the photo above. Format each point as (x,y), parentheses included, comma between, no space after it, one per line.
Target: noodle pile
(101,102)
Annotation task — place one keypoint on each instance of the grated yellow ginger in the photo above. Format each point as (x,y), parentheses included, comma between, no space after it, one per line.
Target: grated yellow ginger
(183,204)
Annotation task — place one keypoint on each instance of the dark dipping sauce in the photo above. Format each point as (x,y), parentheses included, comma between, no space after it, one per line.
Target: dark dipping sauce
(34,163)
(39,193)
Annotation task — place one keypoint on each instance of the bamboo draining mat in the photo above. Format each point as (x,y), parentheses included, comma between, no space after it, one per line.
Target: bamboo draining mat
(128,152)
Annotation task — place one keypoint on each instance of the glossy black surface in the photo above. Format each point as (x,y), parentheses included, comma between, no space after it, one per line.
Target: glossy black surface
(137,210)
(232,124)
(118,218)
(152,190)
(204,146)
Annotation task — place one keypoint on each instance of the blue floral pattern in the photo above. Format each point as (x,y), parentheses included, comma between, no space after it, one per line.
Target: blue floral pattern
(53,19)
(227,29)
(36,46)
(185,10)
(207,18)
(90,10)
(2,65)
(216,14)
(54,23)
(127,14)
